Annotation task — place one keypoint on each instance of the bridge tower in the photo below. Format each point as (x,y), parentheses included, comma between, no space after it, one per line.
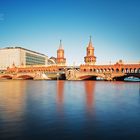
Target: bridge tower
(90,58)
(61,61)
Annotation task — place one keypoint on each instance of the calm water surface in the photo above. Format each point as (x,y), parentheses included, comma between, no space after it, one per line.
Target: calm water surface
(61,110)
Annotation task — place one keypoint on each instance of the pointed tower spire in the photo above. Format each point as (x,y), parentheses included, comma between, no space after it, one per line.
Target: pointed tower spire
(90,42)
(90,39)
(60,46)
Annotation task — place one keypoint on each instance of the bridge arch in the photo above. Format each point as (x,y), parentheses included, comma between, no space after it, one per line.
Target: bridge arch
(112,69)
(128,70)
(132,78)
(108,69)
(6,77)
(25,77)
(123,70)
(104,69)
(88,77)
(101,70)
(97,70)
(131,70)
(135,70)
(84,69)
(121,78)
(117,70)
(138,70)
(94,70)
(90,70)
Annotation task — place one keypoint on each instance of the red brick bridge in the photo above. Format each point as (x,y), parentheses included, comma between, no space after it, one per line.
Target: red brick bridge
(117,71)
(107,72)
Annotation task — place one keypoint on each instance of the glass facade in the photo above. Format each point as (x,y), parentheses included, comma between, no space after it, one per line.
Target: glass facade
(32,59)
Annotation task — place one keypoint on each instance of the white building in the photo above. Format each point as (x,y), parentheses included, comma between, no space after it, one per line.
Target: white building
(20,56)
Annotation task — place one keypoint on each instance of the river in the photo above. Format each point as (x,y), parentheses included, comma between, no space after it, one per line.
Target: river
(59,110)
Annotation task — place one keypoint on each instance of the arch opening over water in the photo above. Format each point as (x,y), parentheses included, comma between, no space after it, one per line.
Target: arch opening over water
(88,77)
(6,77)
(25,77)
(132,78)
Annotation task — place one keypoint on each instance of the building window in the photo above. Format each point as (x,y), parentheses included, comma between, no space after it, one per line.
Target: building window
(32,59)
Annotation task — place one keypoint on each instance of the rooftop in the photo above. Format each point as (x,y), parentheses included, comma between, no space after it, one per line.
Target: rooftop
(23,49)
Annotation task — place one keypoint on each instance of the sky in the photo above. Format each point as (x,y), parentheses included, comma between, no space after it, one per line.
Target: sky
(39,25)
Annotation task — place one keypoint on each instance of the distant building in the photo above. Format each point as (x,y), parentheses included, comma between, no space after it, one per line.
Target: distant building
(52,61)
(18,56)
(90,58)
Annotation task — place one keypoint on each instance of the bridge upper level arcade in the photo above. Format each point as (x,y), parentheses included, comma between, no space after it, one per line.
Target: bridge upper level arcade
(116,68)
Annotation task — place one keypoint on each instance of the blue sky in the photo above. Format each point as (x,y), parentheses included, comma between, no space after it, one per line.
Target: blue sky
(39,25)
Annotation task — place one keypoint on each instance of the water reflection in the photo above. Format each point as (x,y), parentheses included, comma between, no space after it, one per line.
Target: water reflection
(69,110)
(12,99)
(89,91)
(60,99)
(139,88)
(12,105)
(60,92)
(90,124)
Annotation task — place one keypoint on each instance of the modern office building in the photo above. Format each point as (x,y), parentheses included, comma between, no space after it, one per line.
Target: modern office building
(20,57)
